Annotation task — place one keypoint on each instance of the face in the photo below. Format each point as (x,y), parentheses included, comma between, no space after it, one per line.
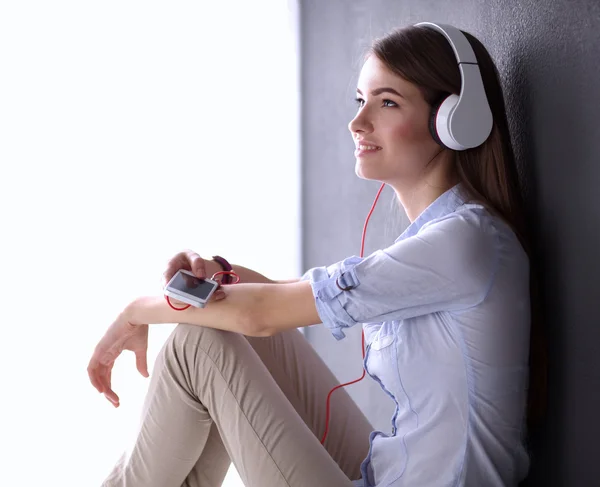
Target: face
(390,129)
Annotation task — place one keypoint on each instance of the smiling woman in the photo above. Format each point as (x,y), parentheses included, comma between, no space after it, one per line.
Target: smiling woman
(445,312)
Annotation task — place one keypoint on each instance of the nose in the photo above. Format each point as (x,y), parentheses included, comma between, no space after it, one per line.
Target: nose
(360,124)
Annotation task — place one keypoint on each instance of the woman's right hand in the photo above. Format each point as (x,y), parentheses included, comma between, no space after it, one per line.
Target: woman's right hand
(190,261)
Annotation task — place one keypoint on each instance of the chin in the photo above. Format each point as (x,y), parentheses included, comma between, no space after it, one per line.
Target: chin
(368,173)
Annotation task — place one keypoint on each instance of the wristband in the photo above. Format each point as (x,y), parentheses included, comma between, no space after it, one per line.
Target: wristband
(226,266)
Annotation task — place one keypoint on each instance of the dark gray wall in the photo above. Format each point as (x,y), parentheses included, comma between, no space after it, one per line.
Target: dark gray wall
(548,54)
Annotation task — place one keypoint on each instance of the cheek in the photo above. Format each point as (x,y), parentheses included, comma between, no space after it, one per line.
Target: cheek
(410,132)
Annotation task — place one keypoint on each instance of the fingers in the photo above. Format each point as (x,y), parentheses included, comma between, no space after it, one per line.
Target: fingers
(180,261)
(141,362)
(196,263)
(188,260)
(218,295)
(100,377)
(93,374)
(99,372)
(108,392)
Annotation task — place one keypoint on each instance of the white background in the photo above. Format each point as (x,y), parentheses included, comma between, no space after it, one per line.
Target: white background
(129,130)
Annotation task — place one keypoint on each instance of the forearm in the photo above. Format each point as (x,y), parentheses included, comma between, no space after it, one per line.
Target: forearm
(246,275)
(234,313)
(253,309)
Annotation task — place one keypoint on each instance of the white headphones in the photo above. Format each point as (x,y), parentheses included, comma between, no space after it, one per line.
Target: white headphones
(464,121)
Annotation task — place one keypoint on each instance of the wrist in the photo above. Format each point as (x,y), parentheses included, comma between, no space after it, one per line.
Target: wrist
(133,313)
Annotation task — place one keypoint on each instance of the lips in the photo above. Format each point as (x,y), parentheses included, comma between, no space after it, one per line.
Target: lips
(364,150)
(366,145)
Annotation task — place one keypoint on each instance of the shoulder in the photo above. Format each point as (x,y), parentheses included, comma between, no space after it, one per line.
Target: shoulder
(464,244)
(469,230)
(476,239)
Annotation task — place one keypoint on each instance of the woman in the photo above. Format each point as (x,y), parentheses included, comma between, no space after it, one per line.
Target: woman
(445,308)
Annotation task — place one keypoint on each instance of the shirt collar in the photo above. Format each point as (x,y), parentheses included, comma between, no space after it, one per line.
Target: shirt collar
(443,205)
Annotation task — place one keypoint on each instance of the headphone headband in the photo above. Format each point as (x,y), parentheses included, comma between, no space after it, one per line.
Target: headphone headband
(464,121)
(460,45)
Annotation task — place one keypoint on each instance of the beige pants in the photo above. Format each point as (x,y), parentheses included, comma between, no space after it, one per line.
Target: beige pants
(218,396)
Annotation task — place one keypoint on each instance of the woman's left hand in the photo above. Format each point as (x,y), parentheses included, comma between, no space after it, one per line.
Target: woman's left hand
(121,335)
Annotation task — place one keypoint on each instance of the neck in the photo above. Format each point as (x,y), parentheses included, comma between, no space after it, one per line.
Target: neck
(417,196)
(416,199)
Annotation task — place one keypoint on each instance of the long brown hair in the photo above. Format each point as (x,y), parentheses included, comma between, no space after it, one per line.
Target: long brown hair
(488,173)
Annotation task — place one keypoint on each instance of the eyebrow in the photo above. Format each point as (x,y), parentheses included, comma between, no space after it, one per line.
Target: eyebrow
(379,91)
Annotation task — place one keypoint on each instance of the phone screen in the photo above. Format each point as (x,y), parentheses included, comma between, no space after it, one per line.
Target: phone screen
(191,285)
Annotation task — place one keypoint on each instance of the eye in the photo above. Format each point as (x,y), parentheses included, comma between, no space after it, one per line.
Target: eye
(386,103)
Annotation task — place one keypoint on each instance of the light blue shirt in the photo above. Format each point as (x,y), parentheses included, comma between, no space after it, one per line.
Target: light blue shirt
(446,316)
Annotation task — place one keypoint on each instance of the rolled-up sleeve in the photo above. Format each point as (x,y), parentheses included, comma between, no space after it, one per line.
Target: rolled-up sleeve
(449,265)
(325,290)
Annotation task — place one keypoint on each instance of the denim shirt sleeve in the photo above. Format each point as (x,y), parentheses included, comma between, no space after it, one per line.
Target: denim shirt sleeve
(448,266)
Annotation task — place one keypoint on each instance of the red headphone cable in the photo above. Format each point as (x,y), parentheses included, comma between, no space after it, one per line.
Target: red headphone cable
(362,250)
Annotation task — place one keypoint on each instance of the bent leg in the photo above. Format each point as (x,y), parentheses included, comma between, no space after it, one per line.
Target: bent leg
(175,429)
(208,377)
(306,381)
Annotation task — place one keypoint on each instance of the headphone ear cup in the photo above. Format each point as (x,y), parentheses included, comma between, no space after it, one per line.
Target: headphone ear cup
(441,122)
(433,128)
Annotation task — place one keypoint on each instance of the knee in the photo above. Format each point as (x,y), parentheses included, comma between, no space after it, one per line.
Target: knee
(187,349)
(202,353)
(193,341)
(194,336)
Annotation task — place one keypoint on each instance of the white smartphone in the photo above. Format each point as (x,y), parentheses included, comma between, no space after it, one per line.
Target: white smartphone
(186,287)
